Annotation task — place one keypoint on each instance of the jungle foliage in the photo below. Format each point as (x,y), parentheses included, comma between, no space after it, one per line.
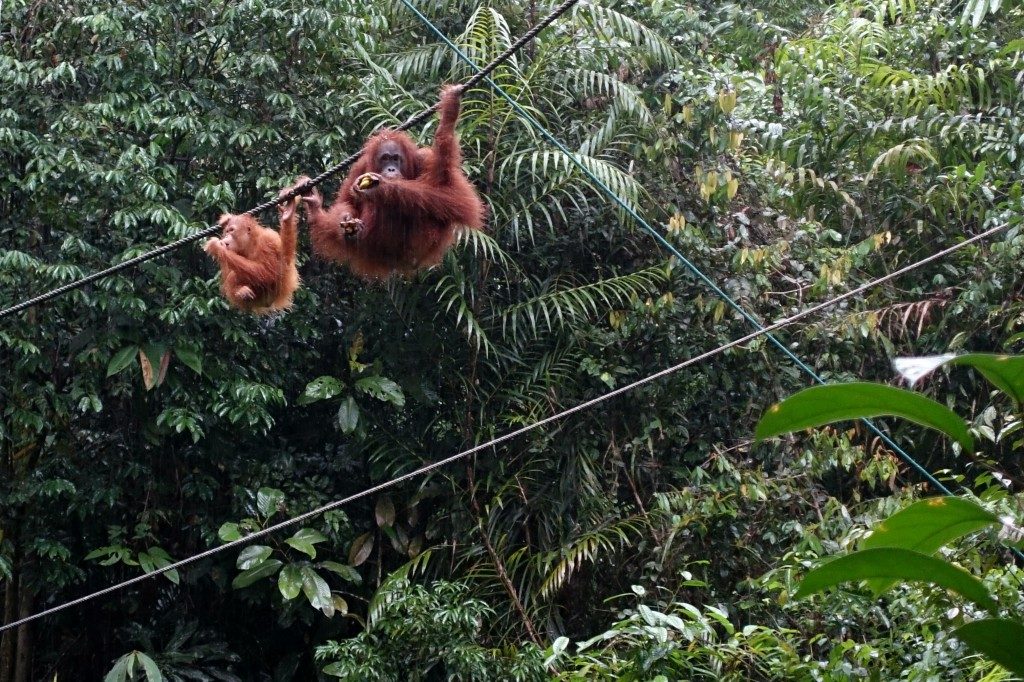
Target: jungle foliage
(790,150)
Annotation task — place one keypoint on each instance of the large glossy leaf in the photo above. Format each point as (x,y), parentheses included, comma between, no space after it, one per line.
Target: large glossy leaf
(1001,639)
(1005,372)
(269,500)
(229,532)
(121,359)
(927,525)
(304,540)
(252,556)
(264,570)
(382,389)
(820,405)
(289,582)
(153,673)
(317,591)
(348,415)
(321,388)
(890,563)
(190,358)
(346,572)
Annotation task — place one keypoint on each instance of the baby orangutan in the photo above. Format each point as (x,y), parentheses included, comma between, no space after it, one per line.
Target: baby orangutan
(257,264)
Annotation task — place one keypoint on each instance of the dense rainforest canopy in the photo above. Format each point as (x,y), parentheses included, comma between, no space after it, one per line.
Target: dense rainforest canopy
(789,150)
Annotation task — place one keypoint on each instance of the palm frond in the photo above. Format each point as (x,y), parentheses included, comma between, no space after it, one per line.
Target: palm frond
(608,23)
(559,307)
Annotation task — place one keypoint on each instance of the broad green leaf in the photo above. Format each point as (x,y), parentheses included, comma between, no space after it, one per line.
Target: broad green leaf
(153,673)
(321,388)
(999,639)
(190,358)
(317,591)
(334,669)
(1005,372)
(385,511)
(891,563)
(121,359)
(382,389)
(119,672)
(289,582)
(229,532)
(160,559)
(348,415)
(346,572)
(820,405)
(264,570)
(269,500)
(927,525)
(252,556)
(361,548)
(304,541)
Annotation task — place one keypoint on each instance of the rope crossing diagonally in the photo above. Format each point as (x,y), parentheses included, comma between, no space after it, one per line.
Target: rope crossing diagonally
(660,238)
(301,189)
(427,468)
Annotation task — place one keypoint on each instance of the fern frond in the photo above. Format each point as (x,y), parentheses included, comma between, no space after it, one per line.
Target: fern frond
(896,158)
(608,23)
(559,566)
(453,292)
(568,306)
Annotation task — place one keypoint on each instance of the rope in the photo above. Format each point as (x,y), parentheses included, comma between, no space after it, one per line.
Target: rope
(718,291)
(300,189)
(501,439)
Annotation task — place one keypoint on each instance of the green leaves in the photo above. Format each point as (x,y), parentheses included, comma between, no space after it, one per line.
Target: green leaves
(927,525)
(348,415)
(382,389)
(289,582)
(317,591)
(822,405)
(252,556)
(1005,372)
(258,572)
(321,388)
(304,541)
(998,638)
(269,501)
(890,563)
(121,359)
(124,668)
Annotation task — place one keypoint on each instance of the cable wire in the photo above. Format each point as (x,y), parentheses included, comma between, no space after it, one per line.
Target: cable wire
(579,407)
(300,189)
(715,288)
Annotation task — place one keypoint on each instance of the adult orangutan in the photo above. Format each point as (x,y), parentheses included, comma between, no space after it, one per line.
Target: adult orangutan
(400,206)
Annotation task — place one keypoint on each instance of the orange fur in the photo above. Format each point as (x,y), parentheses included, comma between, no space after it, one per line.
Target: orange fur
(404,223)
(257,264)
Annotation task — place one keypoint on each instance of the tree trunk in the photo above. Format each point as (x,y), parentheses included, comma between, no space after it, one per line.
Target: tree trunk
(7,643)
(23,655)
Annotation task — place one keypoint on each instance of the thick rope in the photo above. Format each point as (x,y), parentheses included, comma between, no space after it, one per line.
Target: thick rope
(500,439)
(692,267)
(301,189)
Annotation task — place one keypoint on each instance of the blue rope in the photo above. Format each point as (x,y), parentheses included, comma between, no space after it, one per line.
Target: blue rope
(675,252)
